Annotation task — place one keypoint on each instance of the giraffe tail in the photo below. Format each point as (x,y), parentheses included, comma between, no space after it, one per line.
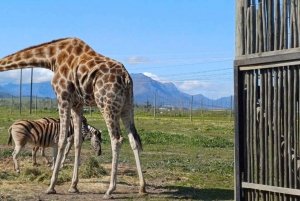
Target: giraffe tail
(136,137)
(10,137)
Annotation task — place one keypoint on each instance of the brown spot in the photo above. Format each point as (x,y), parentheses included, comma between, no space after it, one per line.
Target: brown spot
(27,54)
(91,63)
(70,87)
(65,96)
(110,95)
(112,78)
(69,48)
(39,52)
(78,50)
(62,45)
(62,83)
(52,50)
(57,89)
(3,62)
(83,69)
(104,68)
(64,70)
(62,57)
(55,78)
(17,57)
(70,60)
(105,78)
(91,52)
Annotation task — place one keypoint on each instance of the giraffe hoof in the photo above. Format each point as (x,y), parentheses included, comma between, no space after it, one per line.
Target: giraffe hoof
(107,197)
(143,191)
(50,191)
(73,190)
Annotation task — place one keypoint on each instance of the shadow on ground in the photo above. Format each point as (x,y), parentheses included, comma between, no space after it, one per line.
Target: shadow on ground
(180,192)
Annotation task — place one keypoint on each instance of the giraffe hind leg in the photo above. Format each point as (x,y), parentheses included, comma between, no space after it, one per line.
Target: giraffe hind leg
(116,138)
(136,146)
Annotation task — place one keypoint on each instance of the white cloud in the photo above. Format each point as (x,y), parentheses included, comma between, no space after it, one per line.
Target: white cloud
(156,78)
(137,60)
(13,76)
(211,90)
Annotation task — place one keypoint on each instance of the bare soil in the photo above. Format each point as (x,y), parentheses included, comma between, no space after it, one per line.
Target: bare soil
(90,189)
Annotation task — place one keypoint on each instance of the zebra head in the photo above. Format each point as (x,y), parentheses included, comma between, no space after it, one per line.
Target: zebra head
(96,141)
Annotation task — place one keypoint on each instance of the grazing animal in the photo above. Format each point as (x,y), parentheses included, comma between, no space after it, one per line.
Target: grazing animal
(93,134)
(40,134)
(96,140)
(84,77)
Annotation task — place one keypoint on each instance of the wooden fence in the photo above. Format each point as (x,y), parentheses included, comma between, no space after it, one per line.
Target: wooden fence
(267,100)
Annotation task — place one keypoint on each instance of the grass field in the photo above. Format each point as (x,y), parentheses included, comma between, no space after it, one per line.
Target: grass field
(181,159)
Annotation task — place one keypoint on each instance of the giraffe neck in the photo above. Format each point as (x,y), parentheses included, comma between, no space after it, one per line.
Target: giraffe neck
(48,55)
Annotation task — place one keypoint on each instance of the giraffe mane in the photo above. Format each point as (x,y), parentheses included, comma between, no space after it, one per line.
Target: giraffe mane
(35,46)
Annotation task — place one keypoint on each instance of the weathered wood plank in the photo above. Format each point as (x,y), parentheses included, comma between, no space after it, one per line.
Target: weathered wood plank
(271,188)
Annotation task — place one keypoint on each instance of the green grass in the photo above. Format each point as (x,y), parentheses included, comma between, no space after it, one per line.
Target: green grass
(193,160)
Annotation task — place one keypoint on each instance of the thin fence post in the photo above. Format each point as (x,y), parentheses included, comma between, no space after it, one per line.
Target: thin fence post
(191,109)
(230,107)
(35,104)
(154,107)
(20,104)
(30,104)
(12,104)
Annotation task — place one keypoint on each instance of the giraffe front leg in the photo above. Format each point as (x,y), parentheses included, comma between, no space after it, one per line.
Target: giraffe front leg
(67,150)
(64,127)
(116,147)
(77,119)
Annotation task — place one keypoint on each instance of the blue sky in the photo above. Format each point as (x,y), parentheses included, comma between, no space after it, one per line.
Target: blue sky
(189,43)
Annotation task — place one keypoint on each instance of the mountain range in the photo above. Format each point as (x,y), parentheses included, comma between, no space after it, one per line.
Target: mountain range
(146,92)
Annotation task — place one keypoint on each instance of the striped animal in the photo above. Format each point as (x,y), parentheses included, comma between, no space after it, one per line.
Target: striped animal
(40,133)
(93,134)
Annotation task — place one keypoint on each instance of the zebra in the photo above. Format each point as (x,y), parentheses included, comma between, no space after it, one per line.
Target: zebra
(93,134)
(41,133)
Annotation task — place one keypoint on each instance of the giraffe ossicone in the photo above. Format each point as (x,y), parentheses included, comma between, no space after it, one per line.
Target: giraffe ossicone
(84,77)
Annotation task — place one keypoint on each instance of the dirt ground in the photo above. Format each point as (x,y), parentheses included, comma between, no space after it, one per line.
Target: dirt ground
(90,189)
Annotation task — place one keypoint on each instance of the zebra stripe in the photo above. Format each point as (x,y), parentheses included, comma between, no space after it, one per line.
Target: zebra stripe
(41,133)
(94,135)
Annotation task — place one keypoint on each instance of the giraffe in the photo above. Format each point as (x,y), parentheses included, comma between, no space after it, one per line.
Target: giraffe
(84,77)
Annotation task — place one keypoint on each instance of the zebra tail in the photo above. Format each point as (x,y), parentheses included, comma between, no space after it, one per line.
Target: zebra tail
(10,137)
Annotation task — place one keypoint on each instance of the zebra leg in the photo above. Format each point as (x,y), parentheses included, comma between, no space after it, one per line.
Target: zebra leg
(64,114)
(77,114)
(34,150)
(15,155)
(67,149)
(42,150)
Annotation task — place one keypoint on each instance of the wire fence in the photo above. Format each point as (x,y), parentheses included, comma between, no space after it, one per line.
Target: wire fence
(156,108)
